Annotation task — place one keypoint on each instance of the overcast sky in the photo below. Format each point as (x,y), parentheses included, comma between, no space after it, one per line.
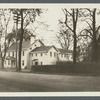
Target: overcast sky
(51,17)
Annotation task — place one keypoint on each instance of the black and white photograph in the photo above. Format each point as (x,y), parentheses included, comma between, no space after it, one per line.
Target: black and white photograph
(49,48)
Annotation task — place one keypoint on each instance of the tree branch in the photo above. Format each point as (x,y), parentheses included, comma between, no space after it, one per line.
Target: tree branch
(98,29)
(68,27)
(89,25)
(87,31)
(85,36)
(68,12)
(77,11)
(89,11)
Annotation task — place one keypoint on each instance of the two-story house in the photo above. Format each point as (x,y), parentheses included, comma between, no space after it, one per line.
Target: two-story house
(34,52)
(49,55)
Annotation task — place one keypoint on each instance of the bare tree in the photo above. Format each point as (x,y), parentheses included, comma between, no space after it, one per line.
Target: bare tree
(64,37)
(71,20)
(27,16)
(5,23)
(92,31)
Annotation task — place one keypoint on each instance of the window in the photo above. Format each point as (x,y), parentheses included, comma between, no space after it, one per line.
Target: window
(65,55)
(1,54)
(9,54)
(61,55)
(41,63)
(23,62)
(41,54)
(12,53)
(50,53)
(54,54)
(23,53)
(32,54)
(36,54)
(57,55)
(8,62)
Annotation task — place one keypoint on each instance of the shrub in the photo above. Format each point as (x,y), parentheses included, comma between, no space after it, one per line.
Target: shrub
(68,67)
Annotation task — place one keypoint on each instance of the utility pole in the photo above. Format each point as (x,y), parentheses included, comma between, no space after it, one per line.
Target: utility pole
(16,20)
(21,38)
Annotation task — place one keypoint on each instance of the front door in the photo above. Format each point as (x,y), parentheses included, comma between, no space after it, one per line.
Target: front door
(36,63)
(13,64)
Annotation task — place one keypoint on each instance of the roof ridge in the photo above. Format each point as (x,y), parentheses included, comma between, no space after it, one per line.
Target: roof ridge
(25,44)
(41,48)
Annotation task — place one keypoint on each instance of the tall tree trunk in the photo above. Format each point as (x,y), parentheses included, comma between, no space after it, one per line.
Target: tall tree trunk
(5,51)
(21,39)
(75,41)
(95,43)
(74,50)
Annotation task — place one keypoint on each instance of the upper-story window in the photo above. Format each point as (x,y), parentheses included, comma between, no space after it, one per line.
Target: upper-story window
(9,54)
(36,54)
(23,62)
(65,55)
(1,54)
(54,54)
(57,54)
(61,55)
(41,54)
(51,54)
(23,53)
(12,53)
(32,54)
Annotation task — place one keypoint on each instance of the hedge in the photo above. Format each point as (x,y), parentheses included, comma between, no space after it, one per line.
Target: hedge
(68,67)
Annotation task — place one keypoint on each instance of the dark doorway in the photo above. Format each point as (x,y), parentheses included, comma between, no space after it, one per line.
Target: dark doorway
(13,64)
(36,63)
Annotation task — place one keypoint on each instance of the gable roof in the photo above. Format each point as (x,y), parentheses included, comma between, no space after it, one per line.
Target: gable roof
(46,48)
(40,42)
(65,51)
(24,45)
(41,49)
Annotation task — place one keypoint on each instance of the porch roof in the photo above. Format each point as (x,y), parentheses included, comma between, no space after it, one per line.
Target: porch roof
(34,59)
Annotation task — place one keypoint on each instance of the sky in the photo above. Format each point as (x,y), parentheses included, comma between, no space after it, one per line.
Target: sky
(50,16)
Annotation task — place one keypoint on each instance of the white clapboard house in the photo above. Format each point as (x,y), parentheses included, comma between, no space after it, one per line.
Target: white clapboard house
(34,52)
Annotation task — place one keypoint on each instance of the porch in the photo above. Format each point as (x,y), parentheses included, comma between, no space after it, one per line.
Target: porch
(11,63)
